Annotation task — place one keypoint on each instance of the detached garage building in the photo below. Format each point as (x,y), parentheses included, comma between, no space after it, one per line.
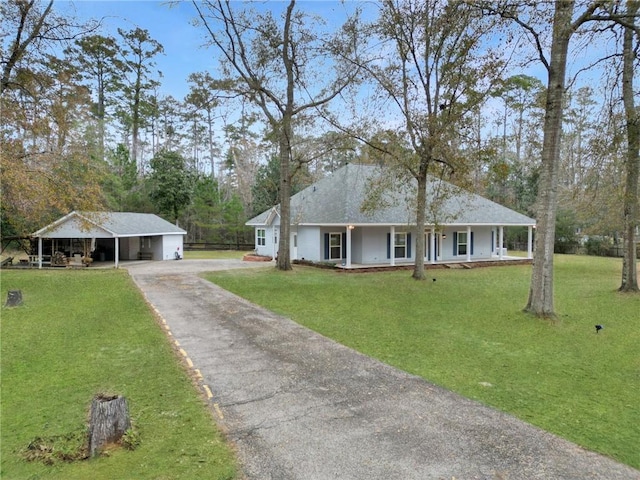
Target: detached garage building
(108,236)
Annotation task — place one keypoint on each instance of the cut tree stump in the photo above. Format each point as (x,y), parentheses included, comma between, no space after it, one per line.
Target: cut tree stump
(109,420)
(14,298)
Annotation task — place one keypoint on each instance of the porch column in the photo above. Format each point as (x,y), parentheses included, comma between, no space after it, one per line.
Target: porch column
(117,250)
(433,245)
(500,242)
(530,243)
(275,242)
(40,252)
(392,246)
(349,228)
(468,243)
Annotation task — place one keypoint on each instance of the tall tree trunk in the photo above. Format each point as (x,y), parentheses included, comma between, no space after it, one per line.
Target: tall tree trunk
(632,161)
(286,137)
(421,208)
(101,118)
(284,257)
(135,122)
(212,159)
(540,301)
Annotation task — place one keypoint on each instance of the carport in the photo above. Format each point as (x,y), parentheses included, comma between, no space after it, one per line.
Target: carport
(81,237)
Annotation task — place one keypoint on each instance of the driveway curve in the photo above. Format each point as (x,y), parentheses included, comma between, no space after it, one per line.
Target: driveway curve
(298,405)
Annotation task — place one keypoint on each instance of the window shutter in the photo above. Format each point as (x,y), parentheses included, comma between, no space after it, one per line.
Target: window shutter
(326,246)
(408,245)
(471,243)
(388,245)
(344,245)
(493,241)
(455,244)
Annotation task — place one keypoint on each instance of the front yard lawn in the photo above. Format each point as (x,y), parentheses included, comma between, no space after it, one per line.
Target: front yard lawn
(466,331)
(80,333)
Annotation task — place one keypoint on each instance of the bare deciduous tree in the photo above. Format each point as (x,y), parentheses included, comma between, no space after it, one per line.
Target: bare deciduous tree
(632,161)
(435,73)
(280,64)
(567,19)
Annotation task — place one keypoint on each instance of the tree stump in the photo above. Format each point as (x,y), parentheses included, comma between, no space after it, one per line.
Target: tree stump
(109,420)
(14,298)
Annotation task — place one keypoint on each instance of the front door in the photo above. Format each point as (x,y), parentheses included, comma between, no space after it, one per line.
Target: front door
(427,247)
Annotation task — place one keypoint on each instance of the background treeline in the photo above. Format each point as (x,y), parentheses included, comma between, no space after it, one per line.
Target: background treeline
(83,127)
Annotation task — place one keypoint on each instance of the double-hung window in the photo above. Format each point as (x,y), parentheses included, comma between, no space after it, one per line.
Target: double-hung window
(335,246)
(400,242)
(261,237)
(462,243)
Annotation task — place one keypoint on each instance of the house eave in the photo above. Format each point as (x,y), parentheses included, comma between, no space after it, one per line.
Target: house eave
(49,230)
(149,234)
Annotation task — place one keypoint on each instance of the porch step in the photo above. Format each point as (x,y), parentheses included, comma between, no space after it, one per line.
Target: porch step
(453,265)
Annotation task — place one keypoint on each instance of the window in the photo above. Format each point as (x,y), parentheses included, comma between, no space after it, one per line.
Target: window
(400,245)
(261,237)
(335,246)
(145,242)
(462,243)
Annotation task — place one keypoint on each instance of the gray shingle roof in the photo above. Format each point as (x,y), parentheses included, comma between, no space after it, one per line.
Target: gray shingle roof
(339,198)
(117,224)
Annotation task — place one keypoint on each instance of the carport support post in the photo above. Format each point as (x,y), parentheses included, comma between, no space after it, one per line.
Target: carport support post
(500,242)
(40,252)
(117,250)
(468,243)
(530,243)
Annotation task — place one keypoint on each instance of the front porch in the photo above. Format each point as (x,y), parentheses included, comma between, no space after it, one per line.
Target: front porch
(439,265)
(376,247)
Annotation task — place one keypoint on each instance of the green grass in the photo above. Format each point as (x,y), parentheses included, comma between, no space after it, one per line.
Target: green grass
(213,254)
(467,330)
(80,333)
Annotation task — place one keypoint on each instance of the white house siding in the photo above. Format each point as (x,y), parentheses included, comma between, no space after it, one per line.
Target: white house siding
(170,245)
(356,245)
(309,243)
(369,244)
(74,228)
(374,245)
(481,243)
(270,248)
(267,247)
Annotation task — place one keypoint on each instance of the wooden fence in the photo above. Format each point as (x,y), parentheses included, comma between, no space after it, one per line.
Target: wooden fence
(598,251)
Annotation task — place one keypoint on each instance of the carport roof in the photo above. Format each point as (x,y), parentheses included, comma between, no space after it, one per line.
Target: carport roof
(108,225)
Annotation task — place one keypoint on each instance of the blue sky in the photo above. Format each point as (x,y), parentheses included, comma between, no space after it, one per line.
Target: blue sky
(171,25)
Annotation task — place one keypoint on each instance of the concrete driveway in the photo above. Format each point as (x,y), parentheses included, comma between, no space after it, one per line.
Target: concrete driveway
(297,405)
